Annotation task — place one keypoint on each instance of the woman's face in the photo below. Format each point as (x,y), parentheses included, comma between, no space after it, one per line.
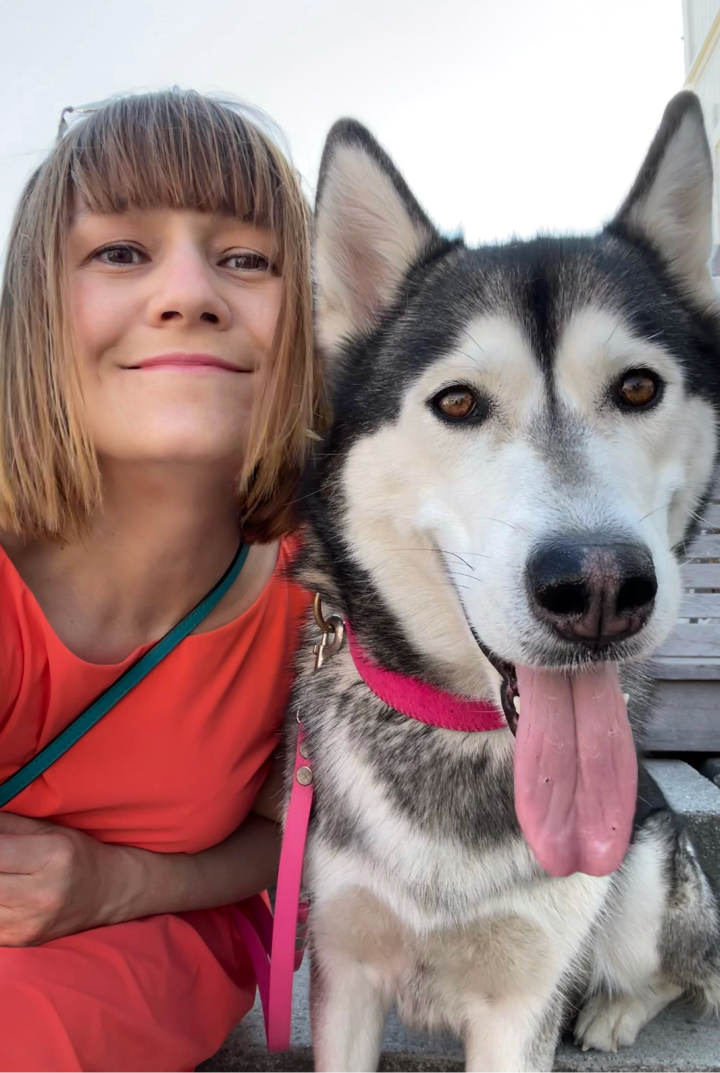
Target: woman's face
(173,315)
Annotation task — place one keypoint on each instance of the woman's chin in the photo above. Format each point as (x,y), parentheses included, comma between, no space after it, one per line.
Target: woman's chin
(180,448)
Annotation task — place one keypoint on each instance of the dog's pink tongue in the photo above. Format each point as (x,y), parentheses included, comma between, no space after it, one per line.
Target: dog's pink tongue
(575,769)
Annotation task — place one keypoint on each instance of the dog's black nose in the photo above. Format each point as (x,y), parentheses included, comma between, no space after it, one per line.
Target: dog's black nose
(591,588)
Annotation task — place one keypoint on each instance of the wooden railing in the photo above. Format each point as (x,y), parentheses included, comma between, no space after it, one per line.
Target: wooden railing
(686,710)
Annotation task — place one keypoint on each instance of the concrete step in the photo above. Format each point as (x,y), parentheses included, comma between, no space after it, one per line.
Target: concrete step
(677,1040)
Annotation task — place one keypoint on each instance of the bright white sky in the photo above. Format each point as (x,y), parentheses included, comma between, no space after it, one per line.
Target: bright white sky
(506,116)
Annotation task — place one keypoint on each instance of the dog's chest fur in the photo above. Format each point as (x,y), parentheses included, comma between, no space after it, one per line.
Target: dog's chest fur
(517,945)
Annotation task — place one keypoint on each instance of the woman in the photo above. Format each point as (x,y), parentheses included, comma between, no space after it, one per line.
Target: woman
(157,388)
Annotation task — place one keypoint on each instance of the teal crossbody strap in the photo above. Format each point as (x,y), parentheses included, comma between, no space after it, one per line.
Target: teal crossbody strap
(127,680)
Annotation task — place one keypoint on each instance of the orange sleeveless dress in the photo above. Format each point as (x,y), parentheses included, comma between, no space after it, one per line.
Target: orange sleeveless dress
(174,767)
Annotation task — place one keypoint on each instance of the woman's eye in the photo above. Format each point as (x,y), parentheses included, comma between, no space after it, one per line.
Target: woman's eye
(247,261)
(638,389)
(120,255)
(458,404)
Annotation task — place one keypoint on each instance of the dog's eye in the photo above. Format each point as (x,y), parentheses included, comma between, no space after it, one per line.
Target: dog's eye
(458,404)
(638,389)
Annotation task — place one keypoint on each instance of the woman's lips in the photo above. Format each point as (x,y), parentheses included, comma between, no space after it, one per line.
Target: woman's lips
(188,363)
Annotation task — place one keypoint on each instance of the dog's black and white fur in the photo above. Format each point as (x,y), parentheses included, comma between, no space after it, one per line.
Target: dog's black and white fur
(424,894)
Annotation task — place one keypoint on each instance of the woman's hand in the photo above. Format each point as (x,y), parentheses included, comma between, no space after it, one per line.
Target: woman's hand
(53,880)
(56,881)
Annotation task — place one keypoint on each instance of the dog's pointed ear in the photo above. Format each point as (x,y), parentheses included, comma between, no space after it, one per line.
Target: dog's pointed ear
(670,204)
(369,232)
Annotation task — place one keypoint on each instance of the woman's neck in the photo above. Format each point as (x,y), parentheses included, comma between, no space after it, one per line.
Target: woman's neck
(163,538)
(163,527)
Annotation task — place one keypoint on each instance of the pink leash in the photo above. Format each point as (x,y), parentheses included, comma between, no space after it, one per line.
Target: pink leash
(276,947)
(273,945)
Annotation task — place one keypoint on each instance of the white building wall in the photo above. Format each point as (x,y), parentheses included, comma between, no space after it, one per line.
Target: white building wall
(701,33)
(698,17)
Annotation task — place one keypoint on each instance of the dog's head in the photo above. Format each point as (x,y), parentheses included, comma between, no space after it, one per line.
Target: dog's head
(524,433)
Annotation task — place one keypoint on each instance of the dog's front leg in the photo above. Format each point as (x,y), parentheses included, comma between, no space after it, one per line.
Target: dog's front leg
(510,1036)
(348,1007)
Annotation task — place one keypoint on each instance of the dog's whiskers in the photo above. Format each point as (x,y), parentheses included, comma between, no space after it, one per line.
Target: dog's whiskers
(612,333)
(665,506)
(470,576)
(501,521)
(457,556)
(444,551)
(473,359)
(300,499)
(481,349)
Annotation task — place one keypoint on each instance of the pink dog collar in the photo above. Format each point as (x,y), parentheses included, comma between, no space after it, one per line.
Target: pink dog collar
(421,701)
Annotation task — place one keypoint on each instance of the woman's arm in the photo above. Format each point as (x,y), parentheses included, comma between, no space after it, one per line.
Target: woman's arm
(141,883)
(56,881)
(244,864)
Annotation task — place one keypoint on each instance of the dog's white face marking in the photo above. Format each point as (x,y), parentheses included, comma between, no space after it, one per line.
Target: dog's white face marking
(442,514)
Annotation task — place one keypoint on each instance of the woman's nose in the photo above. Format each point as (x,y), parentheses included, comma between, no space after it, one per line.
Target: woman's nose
(185,292)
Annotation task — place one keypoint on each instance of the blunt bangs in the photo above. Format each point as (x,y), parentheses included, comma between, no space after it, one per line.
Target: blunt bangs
(176,150)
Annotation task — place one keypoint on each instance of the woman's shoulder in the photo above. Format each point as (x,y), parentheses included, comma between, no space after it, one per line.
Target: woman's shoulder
(291,547)
(11,583)
(23,624)
(281,609)
(20,629)
(11,546)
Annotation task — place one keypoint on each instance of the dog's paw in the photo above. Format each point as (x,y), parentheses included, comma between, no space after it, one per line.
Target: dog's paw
(607,1022)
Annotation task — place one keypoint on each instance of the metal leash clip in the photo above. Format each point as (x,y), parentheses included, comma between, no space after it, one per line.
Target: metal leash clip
(333,633)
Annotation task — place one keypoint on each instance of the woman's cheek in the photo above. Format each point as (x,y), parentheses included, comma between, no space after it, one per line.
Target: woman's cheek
(101,316)
(261,315)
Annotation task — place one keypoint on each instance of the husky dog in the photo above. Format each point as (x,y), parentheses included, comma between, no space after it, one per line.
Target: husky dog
(523,436)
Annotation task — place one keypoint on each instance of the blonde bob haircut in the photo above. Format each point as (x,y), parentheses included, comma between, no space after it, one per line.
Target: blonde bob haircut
(174,149)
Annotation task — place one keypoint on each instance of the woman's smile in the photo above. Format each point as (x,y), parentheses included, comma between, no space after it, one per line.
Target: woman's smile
(189,363)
